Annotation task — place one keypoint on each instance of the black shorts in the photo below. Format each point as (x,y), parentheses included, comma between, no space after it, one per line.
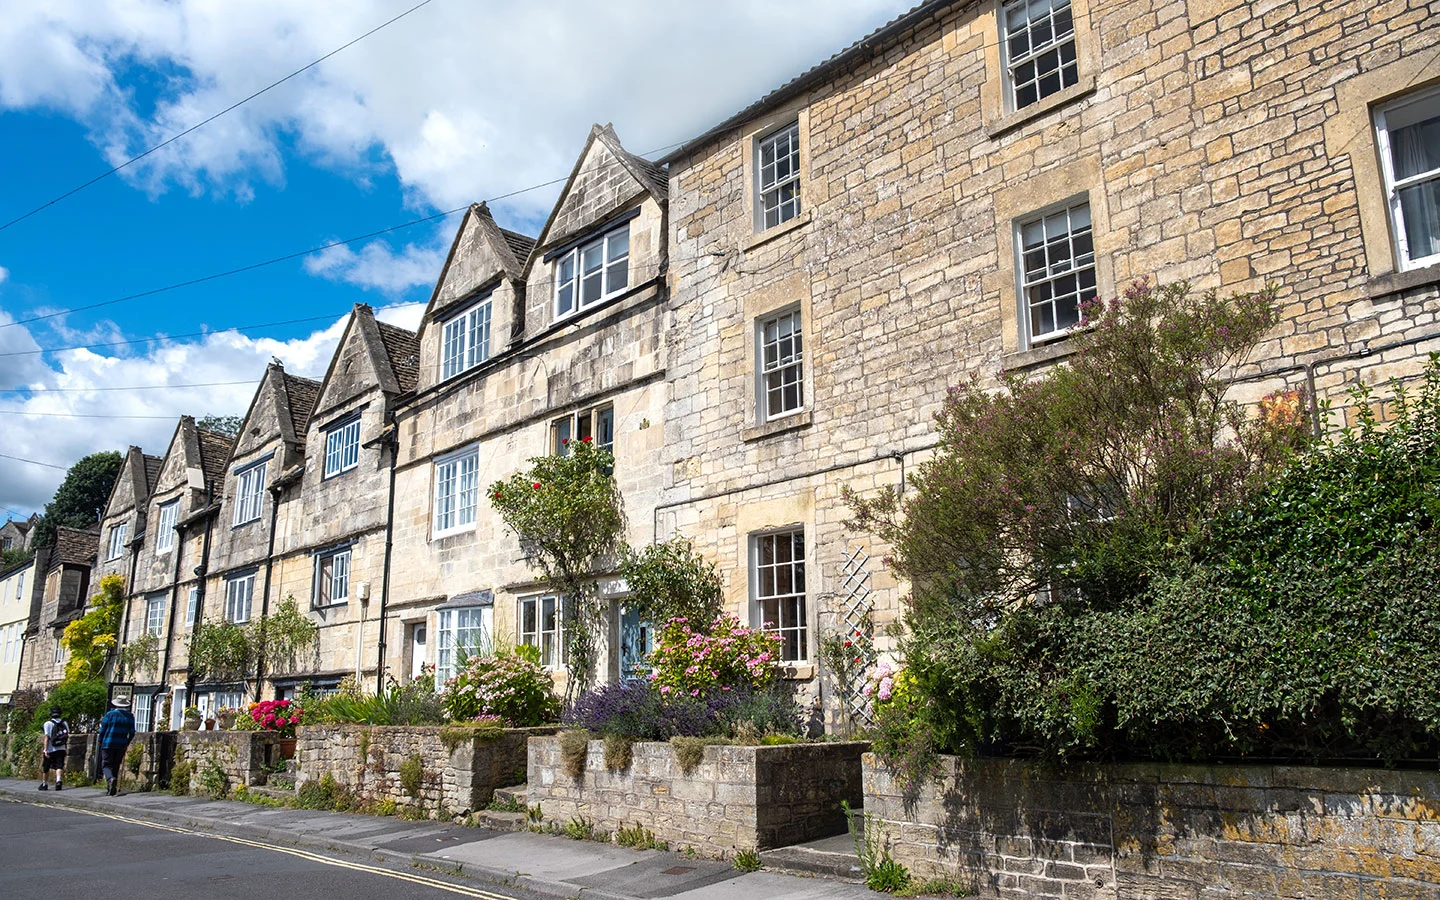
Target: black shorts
(53,761)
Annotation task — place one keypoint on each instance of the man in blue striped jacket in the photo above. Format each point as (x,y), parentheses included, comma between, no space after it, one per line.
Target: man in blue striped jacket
(117,729)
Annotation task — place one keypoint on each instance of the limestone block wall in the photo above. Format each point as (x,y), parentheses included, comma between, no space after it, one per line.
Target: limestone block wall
(1125,832)
(241,755)
(459,769)
(737,798)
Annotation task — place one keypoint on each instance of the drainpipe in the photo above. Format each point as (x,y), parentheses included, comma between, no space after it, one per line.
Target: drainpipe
(170,624)
(201,571)
(392,441)
(275,492)
(125,610)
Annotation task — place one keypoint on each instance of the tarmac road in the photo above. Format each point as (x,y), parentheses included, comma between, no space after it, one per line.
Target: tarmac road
(50,853)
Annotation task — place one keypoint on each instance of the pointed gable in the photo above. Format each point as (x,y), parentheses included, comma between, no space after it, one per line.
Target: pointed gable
(370,354)
(195,459)
(132,484)
(605,180)
(481,254)
(280,409)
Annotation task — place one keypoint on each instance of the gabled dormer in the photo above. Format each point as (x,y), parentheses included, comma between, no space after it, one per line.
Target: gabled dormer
(605,238)
(476,311)
(271,441)
(125,508)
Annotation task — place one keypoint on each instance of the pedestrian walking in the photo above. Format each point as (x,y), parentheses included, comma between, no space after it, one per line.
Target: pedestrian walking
(117,729)
(54,741)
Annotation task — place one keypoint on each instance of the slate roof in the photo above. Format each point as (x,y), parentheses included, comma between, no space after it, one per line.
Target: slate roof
(403,348)
(658,174)
(152,471)
(866,47)
(520,245)
(76,546)
(214,454)
(303,393)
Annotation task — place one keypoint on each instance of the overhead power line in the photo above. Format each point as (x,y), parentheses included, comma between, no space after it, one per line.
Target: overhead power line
(148,340)
(131,387)
(232,107)
(34,462)
(53,415)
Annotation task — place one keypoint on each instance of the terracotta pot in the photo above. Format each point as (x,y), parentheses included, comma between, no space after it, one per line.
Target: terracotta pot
(287,748)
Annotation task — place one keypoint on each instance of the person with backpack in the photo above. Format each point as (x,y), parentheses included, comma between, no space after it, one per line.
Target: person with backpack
(53,743)
(117,729)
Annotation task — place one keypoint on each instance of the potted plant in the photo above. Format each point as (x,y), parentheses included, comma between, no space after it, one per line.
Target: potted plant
(192,718)
(225,717)
(281,717)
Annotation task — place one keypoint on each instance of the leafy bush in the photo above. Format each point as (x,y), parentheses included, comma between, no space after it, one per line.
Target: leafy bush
(508,684)
(1301,627)
(411,703)
(700,659)
(641,712)
(91,639)
(82,704)
(670,580)
(326,793)
(180,778)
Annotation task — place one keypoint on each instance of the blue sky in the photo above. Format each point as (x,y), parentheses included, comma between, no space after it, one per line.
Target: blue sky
(458,102)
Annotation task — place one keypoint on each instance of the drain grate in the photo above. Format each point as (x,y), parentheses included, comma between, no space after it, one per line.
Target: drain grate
(678,870)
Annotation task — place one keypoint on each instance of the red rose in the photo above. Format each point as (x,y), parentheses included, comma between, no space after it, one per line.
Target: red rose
(585,439)
(536,485)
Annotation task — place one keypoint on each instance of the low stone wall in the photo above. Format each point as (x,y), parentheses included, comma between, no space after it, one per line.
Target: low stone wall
(1019,830)
(241,755)
(156,751)
(459,768)
(737,798)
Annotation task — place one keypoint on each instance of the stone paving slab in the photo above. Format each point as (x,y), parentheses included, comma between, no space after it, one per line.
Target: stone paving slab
(543,864)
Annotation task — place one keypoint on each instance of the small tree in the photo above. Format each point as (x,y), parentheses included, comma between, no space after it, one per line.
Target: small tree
(566,511)
(80,499)
(221,424)
(670,579)
(287,638)
(1076,483)
(91,639)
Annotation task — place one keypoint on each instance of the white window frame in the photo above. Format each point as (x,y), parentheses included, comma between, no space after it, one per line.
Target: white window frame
(250,492)
(166,517)
(532,632)
(342,447)
(1079,266)
(155,614)
(20,587)
(59,652)
(116,548)
(777,182)
(595,422)
(239,597)
(192,606)
(337,577)
(466,630)
(572,279)
(457,477)
(465,340)
(784,370)
(795,633)
(1054,13)
(1393,186)
(143,708)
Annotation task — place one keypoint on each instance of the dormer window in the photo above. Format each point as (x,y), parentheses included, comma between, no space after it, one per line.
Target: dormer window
(592,271)
(465,342)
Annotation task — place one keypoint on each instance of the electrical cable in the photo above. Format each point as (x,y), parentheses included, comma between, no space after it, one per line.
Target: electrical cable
(34,462)
(130,387)
(101,177)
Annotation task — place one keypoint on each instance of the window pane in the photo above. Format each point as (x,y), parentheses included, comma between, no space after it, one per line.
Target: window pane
(605,427)
(1420,208)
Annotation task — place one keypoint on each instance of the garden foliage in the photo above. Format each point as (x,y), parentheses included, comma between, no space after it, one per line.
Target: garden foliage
(1234,594)
(670,580)
(510,684)
(91,638)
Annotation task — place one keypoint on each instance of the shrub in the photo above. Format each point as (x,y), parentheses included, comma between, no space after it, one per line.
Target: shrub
(641,712)
(326,793)
(670,580)
(82,704)
(411,703)
(722,655)
(180,778)
(508,684)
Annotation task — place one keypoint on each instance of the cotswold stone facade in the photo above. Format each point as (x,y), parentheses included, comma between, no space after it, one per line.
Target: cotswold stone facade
(1225,142)
(774,312)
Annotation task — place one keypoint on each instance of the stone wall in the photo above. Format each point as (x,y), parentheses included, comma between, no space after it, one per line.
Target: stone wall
(738,798)
(459,769)
(1124,832)
(241,755)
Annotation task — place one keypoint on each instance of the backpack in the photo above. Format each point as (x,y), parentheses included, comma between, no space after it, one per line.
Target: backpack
(59,735)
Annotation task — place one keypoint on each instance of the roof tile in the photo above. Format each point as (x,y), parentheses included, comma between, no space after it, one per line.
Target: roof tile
(403,348)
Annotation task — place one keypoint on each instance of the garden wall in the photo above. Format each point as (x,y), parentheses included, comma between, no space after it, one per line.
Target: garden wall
(1019,830)
(736,798)
(459,768)
(241,755)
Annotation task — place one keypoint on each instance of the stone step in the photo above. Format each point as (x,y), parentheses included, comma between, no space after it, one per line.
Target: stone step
(501,821)
(832,857)
(519,793)
(270,790)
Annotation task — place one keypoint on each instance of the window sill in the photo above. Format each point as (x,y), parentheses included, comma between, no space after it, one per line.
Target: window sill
(1394,282)
(797,671)
(792,422)
(776,231)
(338,604)
(1011,121)
(458,532)
(1049,352)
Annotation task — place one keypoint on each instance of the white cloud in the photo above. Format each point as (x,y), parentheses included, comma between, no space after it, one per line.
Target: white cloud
(464,99)
(224,356)
(4,274)
(379,267)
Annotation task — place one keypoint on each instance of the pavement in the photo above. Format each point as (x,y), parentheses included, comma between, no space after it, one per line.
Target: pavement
(546,865)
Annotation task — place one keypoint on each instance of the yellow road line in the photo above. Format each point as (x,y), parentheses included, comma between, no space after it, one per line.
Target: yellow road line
(303,854)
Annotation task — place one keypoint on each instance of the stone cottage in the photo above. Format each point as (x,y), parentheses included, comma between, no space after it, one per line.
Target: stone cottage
(64,591)
(525,346)
(937,200)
